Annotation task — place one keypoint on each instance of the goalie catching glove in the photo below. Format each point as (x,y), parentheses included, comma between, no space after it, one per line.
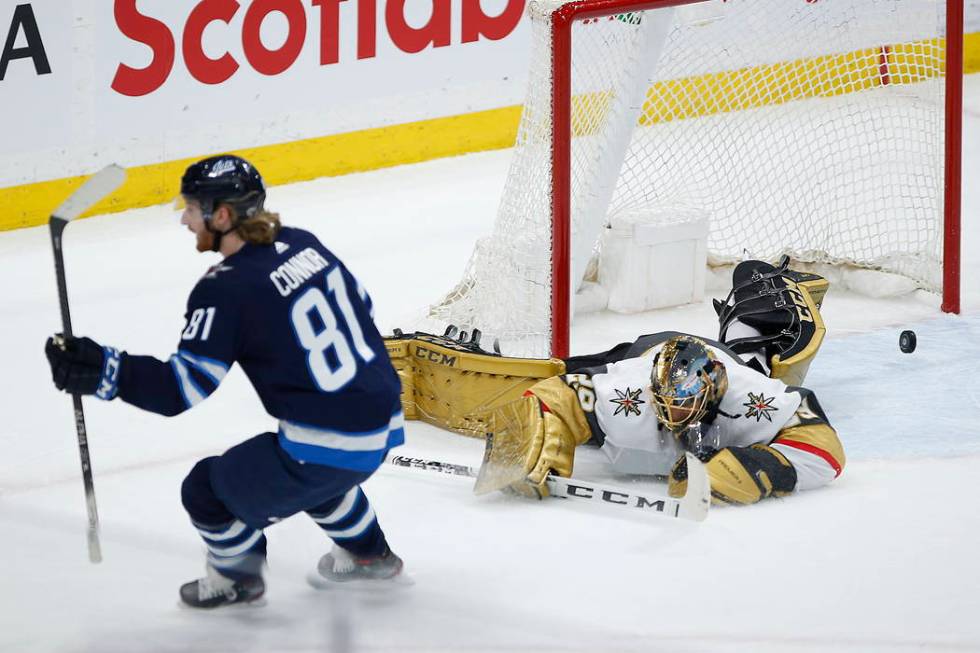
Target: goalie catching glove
(739,475)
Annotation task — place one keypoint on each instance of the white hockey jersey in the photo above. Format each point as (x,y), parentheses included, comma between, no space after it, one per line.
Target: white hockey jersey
(754,409)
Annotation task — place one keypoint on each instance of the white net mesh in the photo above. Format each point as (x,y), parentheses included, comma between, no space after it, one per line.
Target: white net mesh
(809,129)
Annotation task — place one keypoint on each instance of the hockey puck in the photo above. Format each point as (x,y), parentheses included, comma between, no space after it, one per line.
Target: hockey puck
(906,341)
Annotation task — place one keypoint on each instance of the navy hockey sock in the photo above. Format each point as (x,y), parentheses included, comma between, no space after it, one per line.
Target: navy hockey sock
(350,522)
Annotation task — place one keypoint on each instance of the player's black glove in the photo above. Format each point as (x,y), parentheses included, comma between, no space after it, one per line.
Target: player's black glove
(76,363)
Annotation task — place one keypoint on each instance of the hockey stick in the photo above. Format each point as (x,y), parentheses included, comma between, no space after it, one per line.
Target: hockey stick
(692,506)
(94,189)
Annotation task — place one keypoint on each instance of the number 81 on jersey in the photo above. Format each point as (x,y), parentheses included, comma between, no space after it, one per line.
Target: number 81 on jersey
(312,305)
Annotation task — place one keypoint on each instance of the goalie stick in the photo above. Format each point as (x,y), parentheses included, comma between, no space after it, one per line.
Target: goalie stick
(692,506)
(88,194)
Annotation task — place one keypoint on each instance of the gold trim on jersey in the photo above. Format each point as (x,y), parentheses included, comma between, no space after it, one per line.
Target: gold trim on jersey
(818,439)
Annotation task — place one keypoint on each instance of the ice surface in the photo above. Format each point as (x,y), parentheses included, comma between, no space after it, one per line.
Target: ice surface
(884,559)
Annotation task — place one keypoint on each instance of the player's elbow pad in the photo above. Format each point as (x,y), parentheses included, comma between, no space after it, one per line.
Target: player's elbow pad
(744,475)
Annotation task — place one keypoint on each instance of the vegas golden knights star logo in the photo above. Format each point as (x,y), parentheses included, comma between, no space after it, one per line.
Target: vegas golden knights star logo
(628,402)
(759,406)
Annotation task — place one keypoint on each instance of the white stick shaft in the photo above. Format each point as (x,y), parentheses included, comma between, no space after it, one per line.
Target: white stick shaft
(570,488)
(88,194)
(692,506)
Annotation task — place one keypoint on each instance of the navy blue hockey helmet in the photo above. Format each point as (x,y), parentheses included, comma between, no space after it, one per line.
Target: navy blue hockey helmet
(226,178)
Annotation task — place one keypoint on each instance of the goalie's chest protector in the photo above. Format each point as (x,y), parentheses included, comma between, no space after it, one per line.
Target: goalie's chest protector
(630,433)
(753,410)
(755,407)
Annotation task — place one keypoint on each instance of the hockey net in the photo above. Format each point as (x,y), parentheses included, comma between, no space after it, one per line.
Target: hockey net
(813,128)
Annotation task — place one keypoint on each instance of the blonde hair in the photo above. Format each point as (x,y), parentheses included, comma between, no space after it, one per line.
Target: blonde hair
(260,229)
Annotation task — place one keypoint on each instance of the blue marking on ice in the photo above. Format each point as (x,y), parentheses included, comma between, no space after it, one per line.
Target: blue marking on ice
(888,404)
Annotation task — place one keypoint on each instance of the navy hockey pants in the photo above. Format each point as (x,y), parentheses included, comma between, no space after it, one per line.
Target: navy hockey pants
(231,498)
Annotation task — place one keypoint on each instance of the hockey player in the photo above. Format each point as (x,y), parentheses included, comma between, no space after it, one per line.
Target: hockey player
(288,311)
(671,393)
(736,405)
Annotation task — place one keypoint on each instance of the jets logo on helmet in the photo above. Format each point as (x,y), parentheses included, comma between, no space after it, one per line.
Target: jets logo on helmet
(221,167)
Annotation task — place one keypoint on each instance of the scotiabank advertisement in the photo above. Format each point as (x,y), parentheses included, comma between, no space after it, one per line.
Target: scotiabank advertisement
(137,82)
(143,81)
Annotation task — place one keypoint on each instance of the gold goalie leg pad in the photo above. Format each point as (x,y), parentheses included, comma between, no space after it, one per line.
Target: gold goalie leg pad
(741,475)
(453,384)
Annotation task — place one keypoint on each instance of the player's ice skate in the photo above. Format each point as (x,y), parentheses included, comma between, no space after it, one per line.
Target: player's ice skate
(341,566)
(215,590)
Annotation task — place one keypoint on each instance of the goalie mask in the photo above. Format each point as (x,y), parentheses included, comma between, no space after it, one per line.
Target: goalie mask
(688,382)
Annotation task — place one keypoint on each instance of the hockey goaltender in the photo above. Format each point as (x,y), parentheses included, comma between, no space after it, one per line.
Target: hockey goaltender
(736,403)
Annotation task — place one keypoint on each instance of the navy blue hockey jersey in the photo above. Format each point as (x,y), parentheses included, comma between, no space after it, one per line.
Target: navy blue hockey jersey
(301,327)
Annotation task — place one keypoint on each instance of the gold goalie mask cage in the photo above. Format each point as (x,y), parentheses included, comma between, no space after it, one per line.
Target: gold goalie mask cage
(687,381)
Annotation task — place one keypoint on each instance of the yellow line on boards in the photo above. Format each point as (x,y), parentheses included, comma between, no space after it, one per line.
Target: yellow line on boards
(773,84)
(779,83)
(971,53)
(340,154)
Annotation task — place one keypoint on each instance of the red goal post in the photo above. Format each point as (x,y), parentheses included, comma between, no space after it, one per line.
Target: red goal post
(562,21)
